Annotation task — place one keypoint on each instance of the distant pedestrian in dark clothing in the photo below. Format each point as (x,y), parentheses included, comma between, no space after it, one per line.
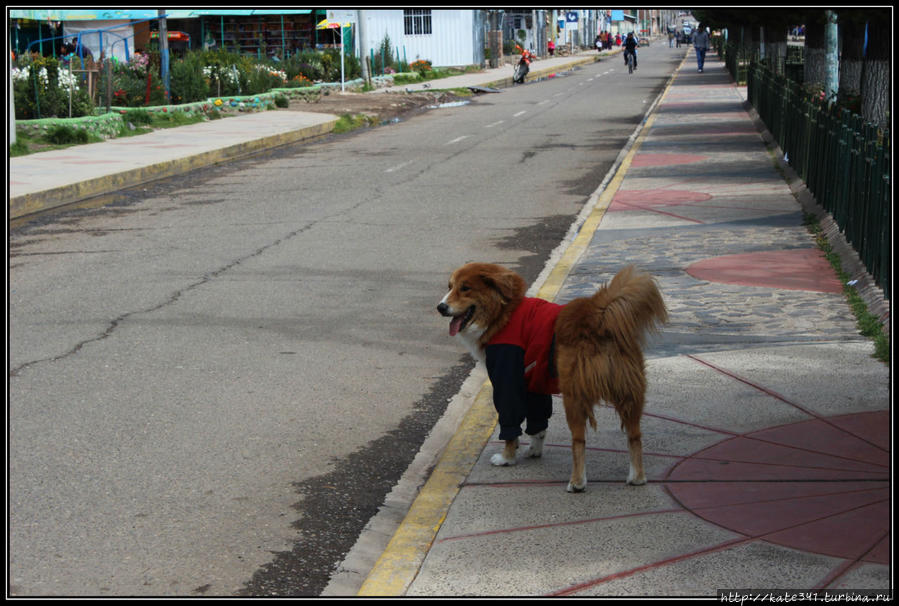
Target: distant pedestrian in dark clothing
(701,45)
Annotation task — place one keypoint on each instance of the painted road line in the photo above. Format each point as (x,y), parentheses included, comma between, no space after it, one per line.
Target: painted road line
(457,139)
(398,166)
(519,113)
(497,123)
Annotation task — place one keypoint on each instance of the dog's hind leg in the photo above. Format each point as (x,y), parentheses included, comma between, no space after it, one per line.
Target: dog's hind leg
(631,424)
(577,423)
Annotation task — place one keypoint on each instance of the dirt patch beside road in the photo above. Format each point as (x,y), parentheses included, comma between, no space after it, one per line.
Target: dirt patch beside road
(381,106)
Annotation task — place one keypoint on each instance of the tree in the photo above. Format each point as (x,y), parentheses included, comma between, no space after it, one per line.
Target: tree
(876,70)
(852,56)
(815,69)
(864,70)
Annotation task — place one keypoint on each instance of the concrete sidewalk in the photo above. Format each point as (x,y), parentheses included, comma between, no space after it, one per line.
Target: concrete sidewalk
(501,77)
(767,424)
(48,180)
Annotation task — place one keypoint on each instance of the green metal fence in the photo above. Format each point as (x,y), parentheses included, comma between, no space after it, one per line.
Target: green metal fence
(844,162)
(736,58)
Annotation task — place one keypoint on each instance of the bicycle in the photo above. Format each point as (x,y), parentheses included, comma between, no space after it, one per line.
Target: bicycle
(630,63)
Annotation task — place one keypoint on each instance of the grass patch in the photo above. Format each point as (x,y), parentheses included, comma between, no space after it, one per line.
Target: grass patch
(868,324)
(66,135)
(134,122)
(19,148)
(60,137)
(348,122)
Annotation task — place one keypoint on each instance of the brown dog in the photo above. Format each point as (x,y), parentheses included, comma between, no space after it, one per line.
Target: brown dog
(589,350)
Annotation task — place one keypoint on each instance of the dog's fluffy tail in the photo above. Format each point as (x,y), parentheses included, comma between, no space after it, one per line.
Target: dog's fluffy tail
(628,307)
(599,340)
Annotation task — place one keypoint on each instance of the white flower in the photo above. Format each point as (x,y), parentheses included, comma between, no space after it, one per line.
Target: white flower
(221,73)
(68,81)
(25,74)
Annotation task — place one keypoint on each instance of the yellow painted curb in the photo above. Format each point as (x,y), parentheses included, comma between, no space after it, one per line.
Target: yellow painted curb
(397,567)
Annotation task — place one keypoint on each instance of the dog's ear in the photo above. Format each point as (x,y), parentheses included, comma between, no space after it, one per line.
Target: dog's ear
(509,284)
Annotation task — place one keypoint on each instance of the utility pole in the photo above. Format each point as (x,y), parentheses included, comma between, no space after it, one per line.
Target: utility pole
(831,56)
(164,54)
(494,42)
(12,109)
(363,46)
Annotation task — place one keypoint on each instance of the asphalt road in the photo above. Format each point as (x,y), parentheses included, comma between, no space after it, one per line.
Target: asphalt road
(215,381)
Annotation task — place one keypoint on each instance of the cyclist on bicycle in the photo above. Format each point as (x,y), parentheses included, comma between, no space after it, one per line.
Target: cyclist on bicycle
(630,46)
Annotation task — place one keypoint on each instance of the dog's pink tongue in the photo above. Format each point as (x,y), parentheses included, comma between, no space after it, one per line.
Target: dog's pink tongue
(455,325)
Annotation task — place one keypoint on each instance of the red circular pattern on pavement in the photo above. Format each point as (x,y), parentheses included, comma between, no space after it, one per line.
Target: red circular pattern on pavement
(799,269)
(831,496)
(666,159)
(660,197)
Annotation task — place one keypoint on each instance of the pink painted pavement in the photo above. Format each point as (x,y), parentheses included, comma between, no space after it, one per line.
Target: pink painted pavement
(812,485)
(798,269)
(642,160)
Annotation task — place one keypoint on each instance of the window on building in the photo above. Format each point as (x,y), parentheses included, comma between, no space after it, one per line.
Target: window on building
(417,21)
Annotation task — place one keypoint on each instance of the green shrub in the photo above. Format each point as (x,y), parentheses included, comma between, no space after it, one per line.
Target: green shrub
(186,80)
(63,135)
(41,89)
(138,116)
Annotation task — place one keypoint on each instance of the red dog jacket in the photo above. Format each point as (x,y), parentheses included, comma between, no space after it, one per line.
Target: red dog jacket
(531,330)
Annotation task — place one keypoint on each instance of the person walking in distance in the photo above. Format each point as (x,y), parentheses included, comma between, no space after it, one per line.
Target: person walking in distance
(701,45)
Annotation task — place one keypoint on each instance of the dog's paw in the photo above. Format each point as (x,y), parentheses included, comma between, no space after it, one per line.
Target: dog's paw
(535,448)
(574,488)
(633,479)
(501,461)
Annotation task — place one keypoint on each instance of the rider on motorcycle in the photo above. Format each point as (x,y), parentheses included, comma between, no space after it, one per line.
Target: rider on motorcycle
(630,46)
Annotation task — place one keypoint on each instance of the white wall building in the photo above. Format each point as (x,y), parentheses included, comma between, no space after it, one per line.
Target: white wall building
(443,37)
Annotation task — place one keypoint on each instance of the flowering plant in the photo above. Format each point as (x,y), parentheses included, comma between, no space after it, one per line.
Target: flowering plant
(42,89)
(139,64)
(422,66)
(222,73)
(274,73)
(24,74)
(300,80)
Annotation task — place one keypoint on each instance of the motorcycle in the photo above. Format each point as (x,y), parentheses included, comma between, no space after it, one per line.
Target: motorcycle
(523,66)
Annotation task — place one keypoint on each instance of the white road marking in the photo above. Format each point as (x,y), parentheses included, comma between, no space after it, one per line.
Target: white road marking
(398,166)
(497,123)
(519,113)
(457,139)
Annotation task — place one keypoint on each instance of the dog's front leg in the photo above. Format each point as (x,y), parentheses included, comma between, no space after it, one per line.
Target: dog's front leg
(507,456)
